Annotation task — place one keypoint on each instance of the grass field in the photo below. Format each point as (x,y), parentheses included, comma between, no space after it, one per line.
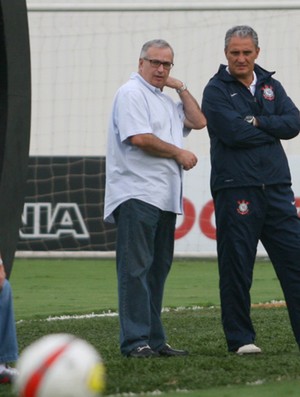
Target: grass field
(44,289)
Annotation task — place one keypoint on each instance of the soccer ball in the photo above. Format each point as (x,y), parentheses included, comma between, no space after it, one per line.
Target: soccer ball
(60,365)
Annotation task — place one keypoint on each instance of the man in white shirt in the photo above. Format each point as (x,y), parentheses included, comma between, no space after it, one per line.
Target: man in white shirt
(144,165)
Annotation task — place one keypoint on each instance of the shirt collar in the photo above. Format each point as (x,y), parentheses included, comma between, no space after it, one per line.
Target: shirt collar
(252,86)
(151,87)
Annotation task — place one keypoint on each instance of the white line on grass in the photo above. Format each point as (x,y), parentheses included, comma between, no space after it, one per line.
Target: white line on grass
(107,314)
(270,304)
(148,393)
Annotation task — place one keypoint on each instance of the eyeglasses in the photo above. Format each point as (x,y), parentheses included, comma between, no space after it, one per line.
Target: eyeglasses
(155,63)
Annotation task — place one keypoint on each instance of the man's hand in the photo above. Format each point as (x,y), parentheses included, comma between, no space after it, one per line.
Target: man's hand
(187,159)
(194,118)
(174,83)
(2,276)
(156,147)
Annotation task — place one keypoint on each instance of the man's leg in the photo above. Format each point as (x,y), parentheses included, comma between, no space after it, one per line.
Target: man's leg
(281,238)
(8,337)
(239,218)
(136,227)
(163,257)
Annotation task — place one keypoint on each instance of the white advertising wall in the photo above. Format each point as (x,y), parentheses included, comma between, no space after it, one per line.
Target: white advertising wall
(82,52)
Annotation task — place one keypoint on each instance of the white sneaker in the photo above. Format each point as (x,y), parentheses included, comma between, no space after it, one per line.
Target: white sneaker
(248,349)
(8,374)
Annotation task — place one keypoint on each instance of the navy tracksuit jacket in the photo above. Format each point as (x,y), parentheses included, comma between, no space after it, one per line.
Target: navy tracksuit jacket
(251,187)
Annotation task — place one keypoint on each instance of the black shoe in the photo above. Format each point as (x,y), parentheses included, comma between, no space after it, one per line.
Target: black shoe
(142,352)
(168,351)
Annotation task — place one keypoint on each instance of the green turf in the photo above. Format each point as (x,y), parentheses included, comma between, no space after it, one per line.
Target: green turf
(271,389)
(45,288)
(207,369)
(52,287)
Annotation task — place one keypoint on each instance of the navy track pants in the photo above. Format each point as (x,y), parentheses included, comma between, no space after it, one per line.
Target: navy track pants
(243,217)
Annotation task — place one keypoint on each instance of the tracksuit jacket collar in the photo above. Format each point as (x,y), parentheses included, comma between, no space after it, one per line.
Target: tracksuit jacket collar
(262,74)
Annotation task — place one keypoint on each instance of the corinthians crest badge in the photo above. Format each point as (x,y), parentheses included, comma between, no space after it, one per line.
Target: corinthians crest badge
(268,92)
(243,208)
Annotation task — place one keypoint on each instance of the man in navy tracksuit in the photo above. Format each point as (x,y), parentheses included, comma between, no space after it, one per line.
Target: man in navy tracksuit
(248,112)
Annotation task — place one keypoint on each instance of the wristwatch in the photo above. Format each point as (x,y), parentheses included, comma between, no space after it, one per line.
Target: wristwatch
(181,89)
(249,119)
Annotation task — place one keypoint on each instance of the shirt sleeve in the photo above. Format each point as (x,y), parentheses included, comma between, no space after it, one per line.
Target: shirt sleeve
(227,124)
(283,119)
(131,114)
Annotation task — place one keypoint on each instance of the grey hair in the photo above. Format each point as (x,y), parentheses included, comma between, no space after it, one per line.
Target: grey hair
(241,31)
(158,43)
